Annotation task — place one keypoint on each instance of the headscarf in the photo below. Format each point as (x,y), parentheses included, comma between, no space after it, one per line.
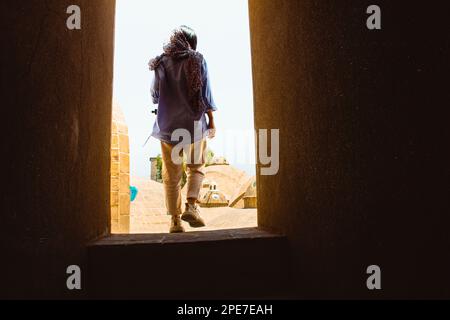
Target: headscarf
(179,48)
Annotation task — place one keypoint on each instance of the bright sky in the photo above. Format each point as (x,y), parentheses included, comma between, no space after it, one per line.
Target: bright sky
(222,27)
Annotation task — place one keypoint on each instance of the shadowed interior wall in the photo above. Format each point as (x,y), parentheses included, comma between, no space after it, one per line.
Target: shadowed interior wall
(56,92)
(364,145)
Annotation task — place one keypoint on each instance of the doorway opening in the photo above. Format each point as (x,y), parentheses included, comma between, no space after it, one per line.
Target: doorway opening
(228,198)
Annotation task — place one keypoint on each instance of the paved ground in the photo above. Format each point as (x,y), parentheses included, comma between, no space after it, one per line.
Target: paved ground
(148,215)
(215,218)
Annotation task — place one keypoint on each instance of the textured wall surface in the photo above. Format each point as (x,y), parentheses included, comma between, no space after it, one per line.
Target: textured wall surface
(364,145)
(120,173)
(56,92)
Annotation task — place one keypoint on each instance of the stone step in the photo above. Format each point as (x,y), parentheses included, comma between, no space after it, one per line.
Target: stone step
(225,264)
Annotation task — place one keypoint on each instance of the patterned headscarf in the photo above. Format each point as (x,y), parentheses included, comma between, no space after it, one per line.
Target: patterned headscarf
(179,48)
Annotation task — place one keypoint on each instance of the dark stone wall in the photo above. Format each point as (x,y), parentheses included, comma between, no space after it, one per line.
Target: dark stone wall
(364,143)
(56,92)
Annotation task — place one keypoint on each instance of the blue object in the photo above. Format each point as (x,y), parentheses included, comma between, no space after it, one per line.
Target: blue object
(133,192)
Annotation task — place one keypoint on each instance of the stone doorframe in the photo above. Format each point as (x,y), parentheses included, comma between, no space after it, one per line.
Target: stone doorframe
(120,173)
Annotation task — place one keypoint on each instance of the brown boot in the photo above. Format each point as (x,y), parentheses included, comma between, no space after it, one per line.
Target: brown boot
(175,226)
(192,216)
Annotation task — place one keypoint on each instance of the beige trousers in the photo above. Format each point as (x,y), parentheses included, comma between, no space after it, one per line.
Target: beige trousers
(172,172)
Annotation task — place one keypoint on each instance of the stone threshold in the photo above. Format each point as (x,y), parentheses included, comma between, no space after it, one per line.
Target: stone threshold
(188,237)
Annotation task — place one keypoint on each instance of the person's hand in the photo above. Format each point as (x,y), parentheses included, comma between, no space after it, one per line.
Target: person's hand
(211,129)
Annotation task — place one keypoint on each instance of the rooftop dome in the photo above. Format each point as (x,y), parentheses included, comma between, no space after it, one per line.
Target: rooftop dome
(246,195)
(213,198)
